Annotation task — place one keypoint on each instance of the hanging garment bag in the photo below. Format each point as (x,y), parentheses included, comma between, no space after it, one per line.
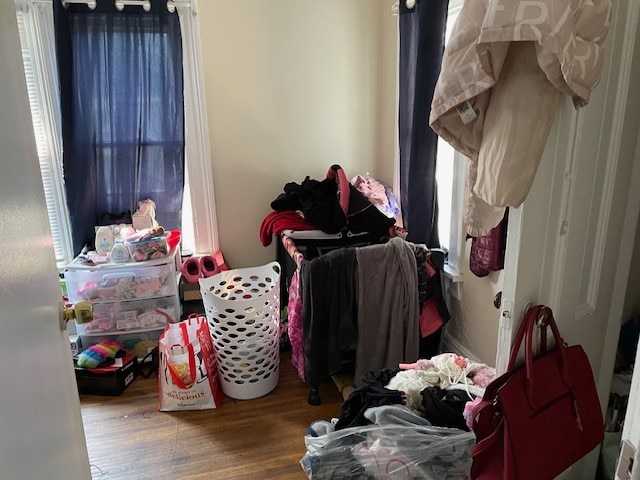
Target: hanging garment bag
(536,420)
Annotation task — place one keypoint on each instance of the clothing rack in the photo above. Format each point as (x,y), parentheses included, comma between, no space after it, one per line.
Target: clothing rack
(292,250)
(289,247)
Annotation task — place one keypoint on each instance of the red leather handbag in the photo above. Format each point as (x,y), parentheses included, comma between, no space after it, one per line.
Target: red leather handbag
(536,420)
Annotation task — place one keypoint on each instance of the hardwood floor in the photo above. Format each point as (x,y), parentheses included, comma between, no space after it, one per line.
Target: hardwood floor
(127,438)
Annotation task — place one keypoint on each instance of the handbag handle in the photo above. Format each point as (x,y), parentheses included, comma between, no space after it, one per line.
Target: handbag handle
(543,316)
(524,327)
(337,173)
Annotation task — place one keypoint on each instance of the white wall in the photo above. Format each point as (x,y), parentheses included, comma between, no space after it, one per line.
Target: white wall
(474,320)
(292,87)
(387,96)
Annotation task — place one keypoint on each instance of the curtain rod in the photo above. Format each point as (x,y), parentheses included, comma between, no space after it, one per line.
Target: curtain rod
(120,4)
(145,4)
(89,3)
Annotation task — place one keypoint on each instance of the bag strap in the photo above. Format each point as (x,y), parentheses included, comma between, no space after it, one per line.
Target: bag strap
(488,441)
(481,410)
(193,317)
(543,318)
(337,173)
(525,326)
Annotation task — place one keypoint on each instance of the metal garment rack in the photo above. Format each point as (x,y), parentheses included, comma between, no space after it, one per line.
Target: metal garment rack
(290,257)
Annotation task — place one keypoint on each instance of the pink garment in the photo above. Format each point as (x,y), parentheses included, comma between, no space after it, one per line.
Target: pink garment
(483,376)
(295,325)
(372,189)
(468,411)
(430,319)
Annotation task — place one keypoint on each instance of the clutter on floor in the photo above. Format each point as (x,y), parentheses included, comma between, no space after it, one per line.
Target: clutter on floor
(110,380)
(396,444)
(336,237)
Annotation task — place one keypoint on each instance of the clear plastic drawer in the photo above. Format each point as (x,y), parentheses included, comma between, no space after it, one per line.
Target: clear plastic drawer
(139,344)
(136,315)
(108,285)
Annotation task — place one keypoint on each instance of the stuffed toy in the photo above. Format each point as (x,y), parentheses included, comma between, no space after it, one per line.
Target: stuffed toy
(145,216)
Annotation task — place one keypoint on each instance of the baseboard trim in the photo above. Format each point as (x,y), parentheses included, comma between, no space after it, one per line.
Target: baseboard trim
(450,344)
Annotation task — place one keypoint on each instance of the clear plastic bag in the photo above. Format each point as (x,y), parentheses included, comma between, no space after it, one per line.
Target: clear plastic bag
(389,452)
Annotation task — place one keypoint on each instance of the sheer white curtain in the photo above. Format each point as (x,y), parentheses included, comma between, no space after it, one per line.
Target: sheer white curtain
(35,24)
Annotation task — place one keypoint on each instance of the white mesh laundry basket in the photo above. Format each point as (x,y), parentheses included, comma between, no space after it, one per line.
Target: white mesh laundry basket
(243,312)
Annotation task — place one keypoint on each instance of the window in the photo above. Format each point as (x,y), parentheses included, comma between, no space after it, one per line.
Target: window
(450,174)
(35,25)
(35,22)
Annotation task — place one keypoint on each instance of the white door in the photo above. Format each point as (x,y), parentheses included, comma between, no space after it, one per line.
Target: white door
(42,435)
(570,243)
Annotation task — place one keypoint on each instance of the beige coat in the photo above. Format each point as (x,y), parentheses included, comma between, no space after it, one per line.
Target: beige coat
(504,71)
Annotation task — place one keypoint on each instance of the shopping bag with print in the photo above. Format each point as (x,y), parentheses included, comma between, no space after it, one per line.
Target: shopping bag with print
(188,372)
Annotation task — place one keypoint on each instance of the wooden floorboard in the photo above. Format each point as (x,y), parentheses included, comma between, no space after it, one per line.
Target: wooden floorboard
(128,438)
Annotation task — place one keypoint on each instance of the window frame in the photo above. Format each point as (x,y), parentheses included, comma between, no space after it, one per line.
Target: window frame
(457,237)
(199,168)
(199,181)
(35,23)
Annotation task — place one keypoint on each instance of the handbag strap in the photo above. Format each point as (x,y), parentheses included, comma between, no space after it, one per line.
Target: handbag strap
(486,407)
(337,173)
(525,326)
(489,440)
(544,317)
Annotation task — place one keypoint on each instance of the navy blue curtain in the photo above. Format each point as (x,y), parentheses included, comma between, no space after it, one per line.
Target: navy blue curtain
(121,90)
(422,35)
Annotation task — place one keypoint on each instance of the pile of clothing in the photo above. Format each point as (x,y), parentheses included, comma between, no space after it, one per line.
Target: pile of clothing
(332,205)
(411,422)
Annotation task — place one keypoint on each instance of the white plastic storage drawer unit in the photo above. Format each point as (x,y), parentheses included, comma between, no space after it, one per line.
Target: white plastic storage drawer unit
(127,298)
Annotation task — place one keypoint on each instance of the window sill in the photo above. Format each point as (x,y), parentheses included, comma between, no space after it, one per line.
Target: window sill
(453,282)
(452,274)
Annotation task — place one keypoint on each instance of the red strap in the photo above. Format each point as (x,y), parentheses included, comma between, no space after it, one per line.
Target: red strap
(530,384)
(487,442)
(336,172)
(528,319)
(479,408)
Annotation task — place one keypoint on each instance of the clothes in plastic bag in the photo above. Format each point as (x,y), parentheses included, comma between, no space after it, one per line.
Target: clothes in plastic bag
(389,452)
(444,408)
(370,392)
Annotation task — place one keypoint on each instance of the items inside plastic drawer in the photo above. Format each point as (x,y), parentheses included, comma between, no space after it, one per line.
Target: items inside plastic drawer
(130,316)
(139,344)
(149,248)
(137,283)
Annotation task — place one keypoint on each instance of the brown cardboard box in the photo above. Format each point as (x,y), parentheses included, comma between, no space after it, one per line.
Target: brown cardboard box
(189,291)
